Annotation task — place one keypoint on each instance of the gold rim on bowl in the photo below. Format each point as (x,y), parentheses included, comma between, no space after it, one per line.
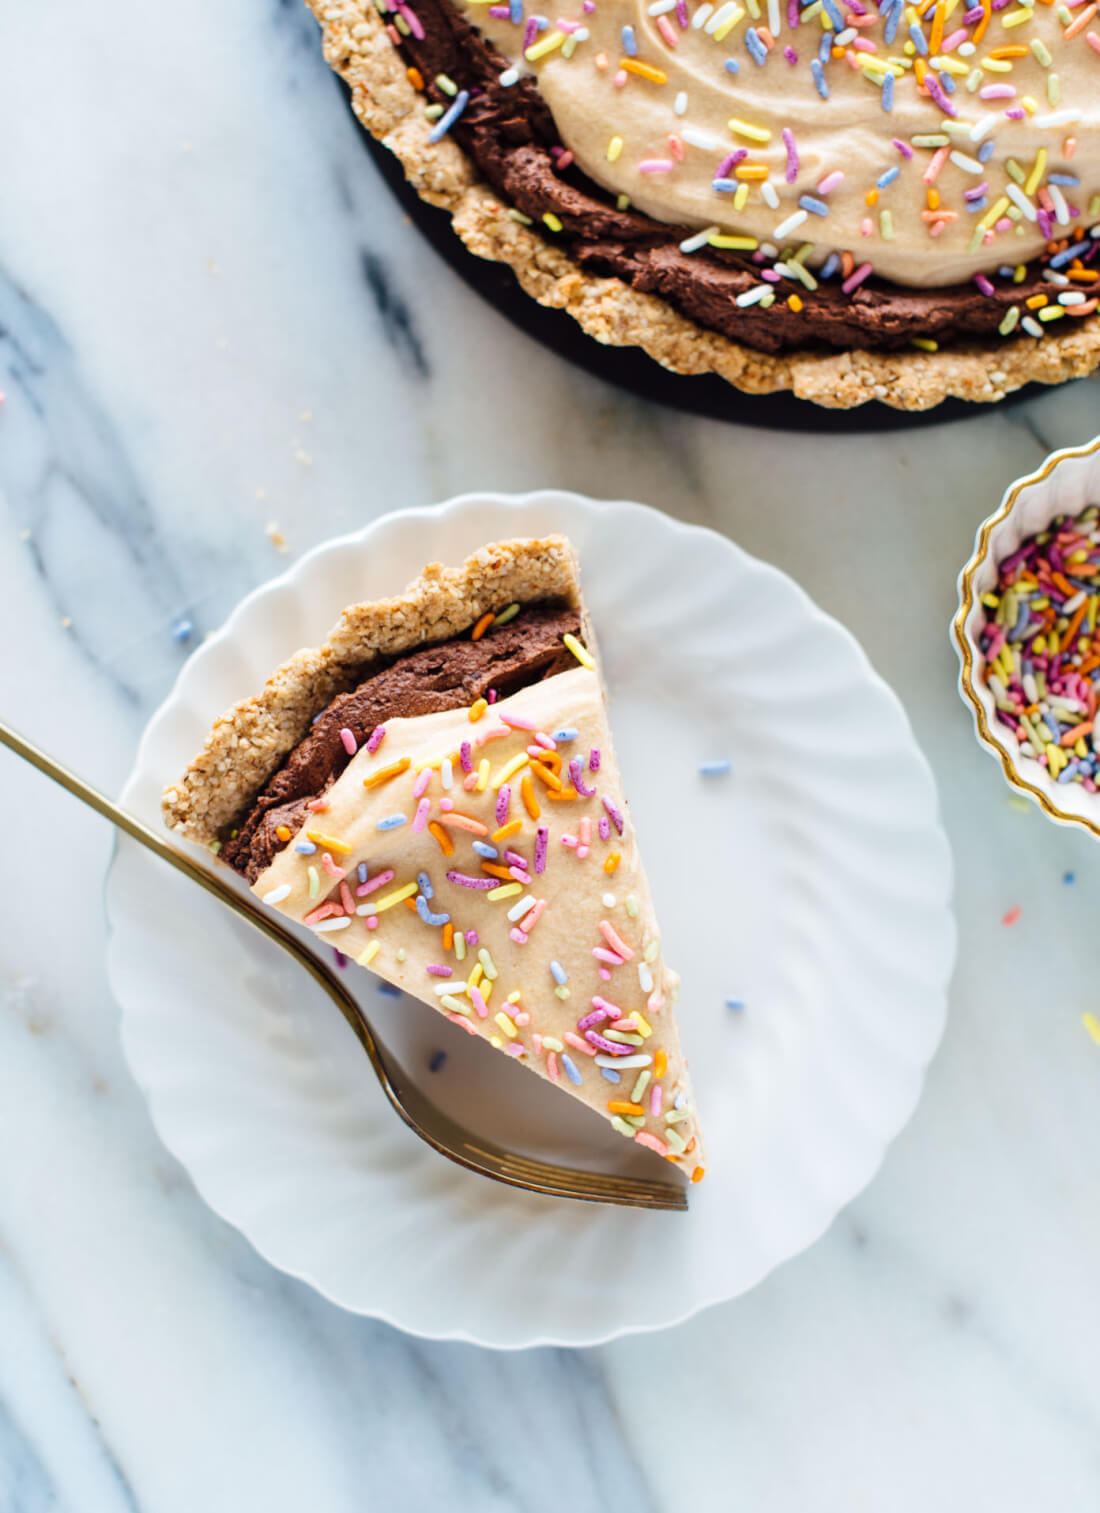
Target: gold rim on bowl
(966,650)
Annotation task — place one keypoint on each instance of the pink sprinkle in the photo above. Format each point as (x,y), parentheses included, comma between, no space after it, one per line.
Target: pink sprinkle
(1093,41)
(517,723)
(491,696)
(601,953)
(1012,916)
(330,866)
(346,898)
(854,280)
(984,285)
(372,921)
(522,1017)
(514,859)
(570,841)
(545,741)
(463,1021)
(504,801)
(997,92)
(552,1066)
(516,1048)
(830,181)
(530,32)
(656,165)
(950,43)
(414,21)
(675,145)
(536,1042)
(604,974)
(422,781)
(323,911)
(615,940)
(604,827)
(420,819)
(471,937)
(619,80)
(790,55)
(317,806)
(438,970)
(529,921)
(643,1137)
(670,37)
(378,881)
(478,1002)
(520,875)
(729,163)
(493,733)
(377,736)
(465,760)
(518,936)
(350,744)
(470,782)
(682,14)
(655,1100)
(578,1044)
(939,158)
(446,805)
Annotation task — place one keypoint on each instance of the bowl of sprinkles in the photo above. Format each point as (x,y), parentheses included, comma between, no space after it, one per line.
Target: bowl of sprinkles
(1027,633)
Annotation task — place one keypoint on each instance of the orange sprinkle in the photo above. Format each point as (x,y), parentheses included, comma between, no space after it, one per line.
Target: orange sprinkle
(1061,581)
(1071,737)
(561,795)
(494,871)
(1074,626)
(530,802)
(698,1174)
(543,772)
(847,263)
(932,196)
(872,197)
(284,832)
(437,832)
(935,41)
(415,78)
(619,1106)
(448,936)
(643,70)
(1036,302)
(660,1064)
(1009,52)
(1069,147)
(482,625)
(1086,309)
(794,303)
(753,172)
(384,774)
(1080,22)
(612,861)
(506,830)
(766,37)
(410,903)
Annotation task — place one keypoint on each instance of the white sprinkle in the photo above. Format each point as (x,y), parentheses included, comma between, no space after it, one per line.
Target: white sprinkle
(774,21)
(700,16)
(770,195)
(332,924)
(621,1062)
(1061,209)
(699,240)
(277,895)
(661,7)
(1074,297)
(645,978)
(509,77)
(968,165)
(1020,199)
(517,911)
(695,137)
(608,900)
(456,988)
(792,223)
(752,296)
(680,104)
(982,128)
(1059,118)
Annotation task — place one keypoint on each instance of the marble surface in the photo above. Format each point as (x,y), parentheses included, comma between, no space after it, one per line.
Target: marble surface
(213,319)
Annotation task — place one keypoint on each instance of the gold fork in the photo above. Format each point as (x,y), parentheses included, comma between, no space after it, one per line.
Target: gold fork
(434,1127)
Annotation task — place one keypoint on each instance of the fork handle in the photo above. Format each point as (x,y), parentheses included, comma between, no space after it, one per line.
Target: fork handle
(241,903)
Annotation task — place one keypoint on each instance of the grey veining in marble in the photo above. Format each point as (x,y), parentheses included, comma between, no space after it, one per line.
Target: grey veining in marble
(213,322)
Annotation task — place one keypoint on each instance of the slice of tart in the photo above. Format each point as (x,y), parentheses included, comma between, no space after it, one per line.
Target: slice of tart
(434,791)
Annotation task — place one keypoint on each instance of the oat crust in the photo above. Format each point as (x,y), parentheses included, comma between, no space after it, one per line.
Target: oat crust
(357,48)
(249,741)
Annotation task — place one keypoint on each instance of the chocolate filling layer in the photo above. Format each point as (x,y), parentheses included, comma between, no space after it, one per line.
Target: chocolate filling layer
(508,133)
(449,675)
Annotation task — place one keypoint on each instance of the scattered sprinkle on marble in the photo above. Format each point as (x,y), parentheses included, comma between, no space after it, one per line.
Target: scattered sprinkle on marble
(1012,915)
(714,769)
(437,1061)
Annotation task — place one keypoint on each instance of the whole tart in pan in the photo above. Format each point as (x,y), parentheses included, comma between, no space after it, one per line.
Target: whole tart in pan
(846,200)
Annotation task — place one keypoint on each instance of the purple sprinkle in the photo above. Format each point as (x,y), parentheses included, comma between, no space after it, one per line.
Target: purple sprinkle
(728,164)
(903,147)
(576,767)
(597,1016)
(794,13)
(439,971)
(604,827)
(530,32)
(792,154)
(438,1057)
(682,14)
(377,736)
(614,814)
(514,859)
(611,1047)
(471,937)
(594,759)
(1046,225)
(466,761)
(935,89)
(542,836)
(341,959)
(465,881)
(504,800)
(984,285)
(790,55)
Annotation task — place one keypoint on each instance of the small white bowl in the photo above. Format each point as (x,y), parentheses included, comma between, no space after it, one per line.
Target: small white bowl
(1067,483)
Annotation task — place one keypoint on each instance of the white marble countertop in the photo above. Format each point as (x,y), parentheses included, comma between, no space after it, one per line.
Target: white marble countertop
(213,318)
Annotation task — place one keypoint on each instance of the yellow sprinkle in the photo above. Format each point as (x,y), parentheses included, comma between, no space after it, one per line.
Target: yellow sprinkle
(514,996)
(329,842)
(482,775)
(548,44)
(740,200)
(390,900)
(614,148)
(750,132)
(367,955)
(510,767)
(496,1042)
(645,1029)
(1092,1024)
(642,70)
(460,946)
(487,962)
(476,975)
(486,989)
(314,882)
(735,243)
(1016,18)
(1035,177)
(506,890)
(476,710)
(506,831)
(551,220)
(579,652)
(506,1025)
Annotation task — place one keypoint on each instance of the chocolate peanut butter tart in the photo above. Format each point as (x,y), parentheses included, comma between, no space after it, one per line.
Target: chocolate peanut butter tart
(845,198)
(434,791)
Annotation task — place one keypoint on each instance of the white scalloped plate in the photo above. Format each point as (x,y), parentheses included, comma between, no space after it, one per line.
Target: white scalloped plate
(814,883)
